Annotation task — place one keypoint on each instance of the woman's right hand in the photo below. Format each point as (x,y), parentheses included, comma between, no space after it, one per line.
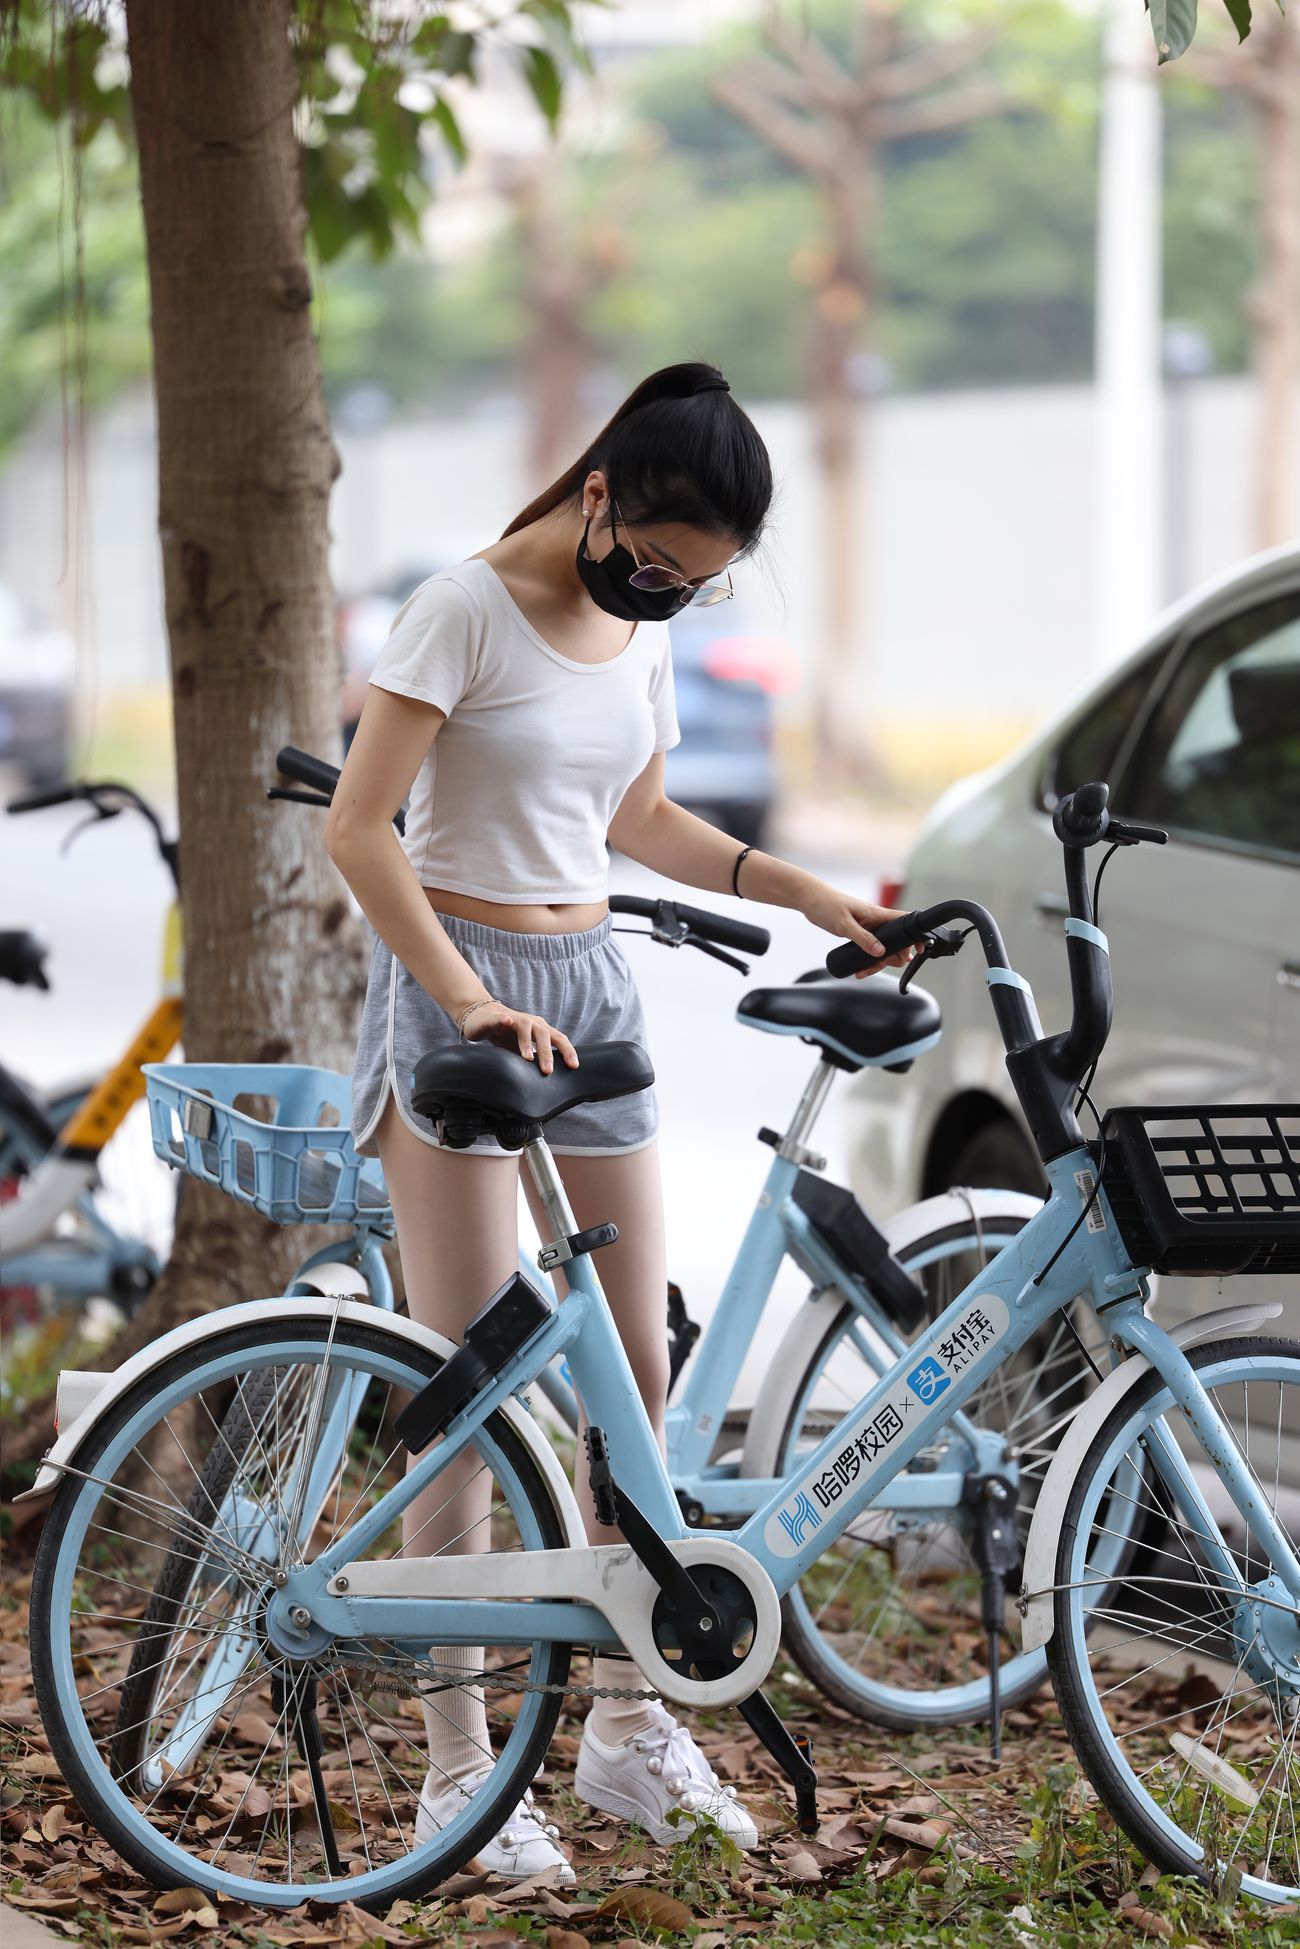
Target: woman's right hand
(535,1035)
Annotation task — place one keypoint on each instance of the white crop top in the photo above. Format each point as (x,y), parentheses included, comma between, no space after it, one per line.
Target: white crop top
(515,795)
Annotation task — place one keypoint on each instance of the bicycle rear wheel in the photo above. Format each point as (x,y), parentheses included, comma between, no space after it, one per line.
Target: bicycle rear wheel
(229,1803)
(1183,1703)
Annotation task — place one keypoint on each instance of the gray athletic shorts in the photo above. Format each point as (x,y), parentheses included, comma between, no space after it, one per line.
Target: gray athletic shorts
(579,983)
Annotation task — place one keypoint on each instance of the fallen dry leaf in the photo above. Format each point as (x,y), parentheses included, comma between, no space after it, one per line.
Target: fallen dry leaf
(648,1908)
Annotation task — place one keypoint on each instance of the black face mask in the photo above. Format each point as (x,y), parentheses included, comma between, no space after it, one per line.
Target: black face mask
(607,583)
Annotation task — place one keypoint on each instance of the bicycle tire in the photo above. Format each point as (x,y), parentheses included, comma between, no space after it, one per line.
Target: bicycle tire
(876,1702)
(146,1672)
(1113,1779)
(72,1741)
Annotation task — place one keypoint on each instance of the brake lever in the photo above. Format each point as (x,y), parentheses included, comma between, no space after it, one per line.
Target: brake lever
(937,946)
(711,948)
(1123,833)
(298,798)
(97,817)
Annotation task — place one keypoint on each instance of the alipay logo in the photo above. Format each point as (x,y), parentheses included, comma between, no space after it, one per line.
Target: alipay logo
(801,1518)
(928,1380)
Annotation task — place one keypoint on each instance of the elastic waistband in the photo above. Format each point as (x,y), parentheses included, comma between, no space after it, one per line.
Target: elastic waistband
(526,947)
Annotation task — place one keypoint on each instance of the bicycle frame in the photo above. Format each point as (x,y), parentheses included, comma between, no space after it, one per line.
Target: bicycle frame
(423,1601)
(777,1230)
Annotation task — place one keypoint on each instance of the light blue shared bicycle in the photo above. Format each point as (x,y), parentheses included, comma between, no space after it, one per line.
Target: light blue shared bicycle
(283,1747)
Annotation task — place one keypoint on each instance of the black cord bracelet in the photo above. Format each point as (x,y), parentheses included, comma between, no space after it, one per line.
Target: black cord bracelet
(735,872)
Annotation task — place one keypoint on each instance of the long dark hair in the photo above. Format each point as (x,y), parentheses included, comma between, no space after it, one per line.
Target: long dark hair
(679,449)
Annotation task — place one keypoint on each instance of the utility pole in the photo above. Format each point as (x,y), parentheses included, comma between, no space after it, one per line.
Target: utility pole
(1128,470)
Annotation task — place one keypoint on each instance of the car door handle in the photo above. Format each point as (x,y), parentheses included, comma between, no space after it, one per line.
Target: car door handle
(1288,975)
(1051,906)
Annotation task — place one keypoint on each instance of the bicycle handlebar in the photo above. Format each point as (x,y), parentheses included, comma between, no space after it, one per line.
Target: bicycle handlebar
(1046,1070)
(49,795)
(714,927)
(100,795)
(321,777)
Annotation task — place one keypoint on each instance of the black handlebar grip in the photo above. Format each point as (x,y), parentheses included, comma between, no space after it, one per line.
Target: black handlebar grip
(726,932)
(308,770)
(1082,811)
(37,801)
(893,935)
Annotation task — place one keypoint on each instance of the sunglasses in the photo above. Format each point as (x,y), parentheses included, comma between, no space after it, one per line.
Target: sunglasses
(657,576)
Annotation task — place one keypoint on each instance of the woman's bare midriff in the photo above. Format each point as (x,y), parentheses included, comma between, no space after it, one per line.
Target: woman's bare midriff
(562,917)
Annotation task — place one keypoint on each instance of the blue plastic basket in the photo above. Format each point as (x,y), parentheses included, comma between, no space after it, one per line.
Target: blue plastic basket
(273,1135)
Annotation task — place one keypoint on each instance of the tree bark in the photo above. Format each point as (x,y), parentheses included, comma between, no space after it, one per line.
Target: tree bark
(272,954)
(245,467)
(839,326)
(558,350)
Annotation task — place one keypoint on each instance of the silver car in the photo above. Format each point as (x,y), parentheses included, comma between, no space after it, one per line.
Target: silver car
(1198,732)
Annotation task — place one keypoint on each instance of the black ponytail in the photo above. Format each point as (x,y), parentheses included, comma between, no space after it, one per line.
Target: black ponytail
(679,449)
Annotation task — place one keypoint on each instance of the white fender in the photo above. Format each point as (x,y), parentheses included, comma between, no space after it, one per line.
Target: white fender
(291,1312)
(1037,1593)
(784,1378)
(332,1278)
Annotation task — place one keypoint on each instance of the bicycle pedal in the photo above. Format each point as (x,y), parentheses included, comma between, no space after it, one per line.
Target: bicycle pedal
(601,1478)
(497,1332)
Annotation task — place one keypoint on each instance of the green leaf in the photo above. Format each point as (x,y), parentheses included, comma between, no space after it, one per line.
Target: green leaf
(452,133)
(1239,14)
(1173,23)
(456,54)
(543,77)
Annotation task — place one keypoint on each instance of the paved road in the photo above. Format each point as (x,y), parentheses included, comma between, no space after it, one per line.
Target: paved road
(100,908)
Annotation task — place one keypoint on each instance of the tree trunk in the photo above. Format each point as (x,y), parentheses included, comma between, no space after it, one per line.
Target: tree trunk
(838,330)
(1276,306)
(558,350)
(272,954)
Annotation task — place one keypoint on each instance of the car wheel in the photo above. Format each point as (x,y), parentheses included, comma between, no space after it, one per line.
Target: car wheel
(998,1157)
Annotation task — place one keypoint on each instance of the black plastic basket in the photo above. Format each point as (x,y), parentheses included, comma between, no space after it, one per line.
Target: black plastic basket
(1206,1190)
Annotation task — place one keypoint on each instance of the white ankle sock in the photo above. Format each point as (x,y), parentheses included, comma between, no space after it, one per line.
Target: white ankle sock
(455,1719)
(615,1721)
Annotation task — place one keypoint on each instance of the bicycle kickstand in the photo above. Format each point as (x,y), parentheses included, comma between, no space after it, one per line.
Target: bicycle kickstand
(995,1547)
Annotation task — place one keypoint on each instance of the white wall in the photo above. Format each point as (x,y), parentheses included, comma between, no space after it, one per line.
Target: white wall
(979,532)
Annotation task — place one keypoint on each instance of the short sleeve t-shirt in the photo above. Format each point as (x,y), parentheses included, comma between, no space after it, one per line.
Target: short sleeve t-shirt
(515,795)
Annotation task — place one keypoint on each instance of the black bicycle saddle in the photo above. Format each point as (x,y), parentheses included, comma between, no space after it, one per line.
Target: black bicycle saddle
(487,1089)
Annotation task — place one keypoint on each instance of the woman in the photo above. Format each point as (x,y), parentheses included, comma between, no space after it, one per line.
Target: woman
(524,700)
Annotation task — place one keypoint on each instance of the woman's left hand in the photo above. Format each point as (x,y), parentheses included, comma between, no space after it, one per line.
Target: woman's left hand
(851,919)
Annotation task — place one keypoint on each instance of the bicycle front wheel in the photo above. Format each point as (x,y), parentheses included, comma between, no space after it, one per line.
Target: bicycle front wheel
(216,1787)
(1183,1703)
(887,1622)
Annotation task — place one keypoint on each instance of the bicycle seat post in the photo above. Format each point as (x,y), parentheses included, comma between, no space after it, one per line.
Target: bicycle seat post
(550,1186)
(794,1145)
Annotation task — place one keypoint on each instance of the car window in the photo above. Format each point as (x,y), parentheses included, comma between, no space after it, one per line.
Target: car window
(1221,757)
(1090,746)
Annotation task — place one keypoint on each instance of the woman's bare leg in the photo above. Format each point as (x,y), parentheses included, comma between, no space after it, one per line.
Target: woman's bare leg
(633,1272)
(458,1235)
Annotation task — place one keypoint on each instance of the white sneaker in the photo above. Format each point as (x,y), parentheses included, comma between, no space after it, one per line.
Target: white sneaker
(524,1847)
(652,1773)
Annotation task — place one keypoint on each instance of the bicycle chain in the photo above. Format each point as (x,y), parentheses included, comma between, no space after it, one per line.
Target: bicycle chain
(486,1682)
